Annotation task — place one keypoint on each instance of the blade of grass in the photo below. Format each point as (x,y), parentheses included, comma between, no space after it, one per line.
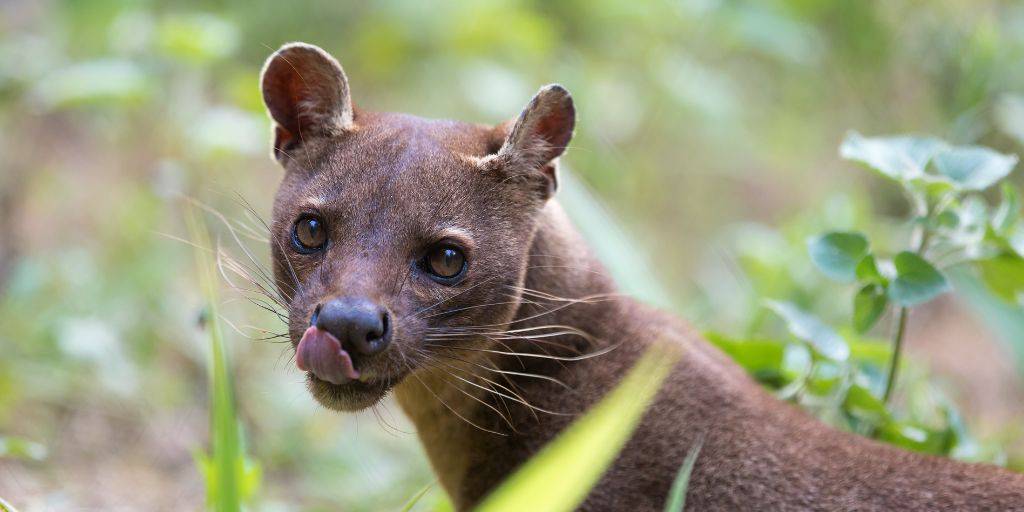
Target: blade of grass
(222,478)
(6,507)
(559,477)
(416,497)
(677,496)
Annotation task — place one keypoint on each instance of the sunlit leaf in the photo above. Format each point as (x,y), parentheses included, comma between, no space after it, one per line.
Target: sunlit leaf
(559,476)
(809,328)
(1004,276)
(837,254)
(863,404)
(868,271)
(917,281)
(973,167)
(899,158)
(868,306)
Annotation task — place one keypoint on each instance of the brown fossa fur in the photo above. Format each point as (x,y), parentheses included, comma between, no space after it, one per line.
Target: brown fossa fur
(494,366)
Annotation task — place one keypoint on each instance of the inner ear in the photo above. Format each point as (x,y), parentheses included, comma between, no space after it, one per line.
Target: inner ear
(538,137)
(307,95)
(545,126)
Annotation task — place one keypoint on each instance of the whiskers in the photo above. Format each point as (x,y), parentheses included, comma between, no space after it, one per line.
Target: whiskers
(473,360)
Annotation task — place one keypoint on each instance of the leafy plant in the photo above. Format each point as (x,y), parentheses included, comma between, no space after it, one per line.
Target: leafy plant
(559,477)
(845,375)
(952,226)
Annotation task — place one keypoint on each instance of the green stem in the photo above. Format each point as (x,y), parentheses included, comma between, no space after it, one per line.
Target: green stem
(901,321)
(897,348)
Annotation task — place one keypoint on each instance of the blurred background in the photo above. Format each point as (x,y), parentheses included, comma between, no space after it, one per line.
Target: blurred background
(708,128)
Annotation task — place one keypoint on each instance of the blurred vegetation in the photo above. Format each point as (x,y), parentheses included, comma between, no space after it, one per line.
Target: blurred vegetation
(702,123)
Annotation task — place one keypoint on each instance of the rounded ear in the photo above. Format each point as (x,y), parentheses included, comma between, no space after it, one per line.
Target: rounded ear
(306,93)
(540,135)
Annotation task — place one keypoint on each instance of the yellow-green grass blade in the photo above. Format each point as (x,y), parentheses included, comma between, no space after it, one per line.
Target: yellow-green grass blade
(677,496)
(416,497)
(560,476)
(223,466)
(6,507)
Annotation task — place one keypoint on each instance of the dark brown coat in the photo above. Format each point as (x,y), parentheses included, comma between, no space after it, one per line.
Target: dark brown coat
(467,360)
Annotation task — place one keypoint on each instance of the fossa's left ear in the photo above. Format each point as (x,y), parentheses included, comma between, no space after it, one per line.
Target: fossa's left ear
(306,92)
(538,137)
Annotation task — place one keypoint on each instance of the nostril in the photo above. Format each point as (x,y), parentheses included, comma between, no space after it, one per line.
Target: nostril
(316,315)
(381,330)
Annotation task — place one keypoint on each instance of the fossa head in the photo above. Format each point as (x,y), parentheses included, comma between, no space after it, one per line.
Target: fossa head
(395,237)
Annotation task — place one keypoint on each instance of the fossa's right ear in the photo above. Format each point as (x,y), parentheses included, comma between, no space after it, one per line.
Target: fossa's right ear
(306,93)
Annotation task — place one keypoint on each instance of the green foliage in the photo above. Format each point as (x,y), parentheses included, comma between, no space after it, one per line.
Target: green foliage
(559,477)
(230,477)
(917,281)
(838,254)
(847,378)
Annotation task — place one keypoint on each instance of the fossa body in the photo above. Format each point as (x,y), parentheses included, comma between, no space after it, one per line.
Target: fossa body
(429,259)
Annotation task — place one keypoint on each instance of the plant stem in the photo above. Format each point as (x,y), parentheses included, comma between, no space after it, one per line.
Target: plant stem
(901,321)
(897,348)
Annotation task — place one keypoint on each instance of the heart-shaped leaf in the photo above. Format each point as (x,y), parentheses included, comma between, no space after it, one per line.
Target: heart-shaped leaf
(899,158)
(973,167)
(837,254)
(868,306)
(917,281)
(809,328)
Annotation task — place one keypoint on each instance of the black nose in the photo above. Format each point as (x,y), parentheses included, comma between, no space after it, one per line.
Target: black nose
(359,324)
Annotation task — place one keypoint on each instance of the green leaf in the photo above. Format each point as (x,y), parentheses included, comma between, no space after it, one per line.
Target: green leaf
(899,158)
(837,254)
(868,306)
(863,404)
(559,477)
(677,496)
(807,327)
(1004,276)
(973,167)
(762,358)
(917,281)
(867,271)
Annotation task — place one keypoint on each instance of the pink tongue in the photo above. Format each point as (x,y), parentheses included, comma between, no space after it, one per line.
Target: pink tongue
(321,353)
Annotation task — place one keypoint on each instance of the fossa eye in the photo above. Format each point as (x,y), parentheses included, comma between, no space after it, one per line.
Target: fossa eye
(309,234)
(445,263)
